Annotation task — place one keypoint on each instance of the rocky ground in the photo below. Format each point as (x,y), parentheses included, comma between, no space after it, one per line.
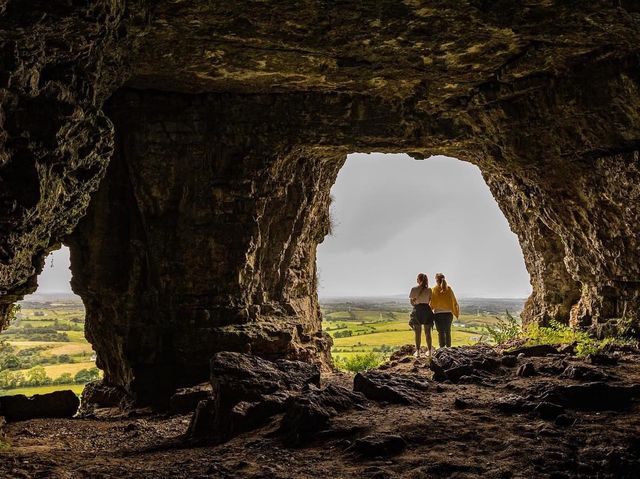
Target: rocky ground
(474,412)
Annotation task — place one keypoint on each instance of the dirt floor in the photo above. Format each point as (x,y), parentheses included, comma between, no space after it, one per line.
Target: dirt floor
(456,431)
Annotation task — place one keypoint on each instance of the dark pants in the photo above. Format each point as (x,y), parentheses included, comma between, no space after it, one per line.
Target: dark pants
(443,324)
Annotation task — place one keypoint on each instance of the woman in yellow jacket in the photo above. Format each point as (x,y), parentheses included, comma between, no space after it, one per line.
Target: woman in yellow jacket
(445,306)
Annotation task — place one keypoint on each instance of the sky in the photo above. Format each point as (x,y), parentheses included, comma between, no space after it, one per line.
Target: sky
(393,218)
(56,275)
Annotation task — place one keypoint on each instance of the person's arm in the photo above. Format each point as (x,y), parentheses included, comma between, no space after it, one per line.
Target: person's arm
(412,298)
(456,307)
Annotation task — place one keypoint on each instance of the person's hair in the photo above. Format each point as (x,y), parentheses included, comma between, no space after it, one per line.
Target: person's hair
(443,282)
(423,279)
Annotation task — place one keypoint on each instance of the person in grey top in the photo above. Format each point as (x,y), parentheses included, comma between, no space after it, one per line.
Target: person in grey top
(420,297)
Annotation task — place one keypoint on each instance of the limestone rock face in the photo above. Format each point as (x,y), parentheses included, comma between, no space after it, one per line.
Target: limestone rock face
(58,63)
(196,244)
(227,122)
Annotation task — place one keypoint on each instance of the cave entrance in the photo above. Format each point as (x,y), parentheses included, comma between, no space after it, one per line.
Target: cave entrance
(44,349)
(393,217)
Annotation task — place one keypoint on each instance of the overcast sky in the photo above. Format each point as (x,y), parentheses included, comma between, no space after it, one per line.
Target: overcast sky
(395,217)
(56,275)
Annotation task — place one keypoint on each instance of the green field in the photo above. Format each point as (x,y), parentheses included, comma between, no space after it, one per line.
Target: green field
(30,391)
(44,349)
(367,326)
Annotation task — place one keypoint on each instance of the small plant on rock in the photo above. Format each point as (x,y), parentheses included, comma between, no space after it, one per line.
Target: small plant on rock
(507,329)
(360,362)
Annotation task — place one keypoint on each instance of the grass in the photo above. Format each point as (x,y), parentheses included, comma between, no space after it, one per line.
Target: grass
(75,336)
(399,338)
(56,370)
(70,348)
(30,391)
(376,329)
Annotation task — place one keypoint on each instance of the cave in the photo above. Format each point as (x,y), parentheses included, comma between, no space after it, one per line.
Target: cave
(185,152)
(187,155)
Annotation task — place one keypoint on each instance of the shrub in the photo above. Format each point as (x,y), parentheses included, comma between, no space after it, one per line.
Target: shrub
(555,333)
(360,362)
(86,375)
(13,312)
(506,330)
(64,378)
(343,334)
(37,376)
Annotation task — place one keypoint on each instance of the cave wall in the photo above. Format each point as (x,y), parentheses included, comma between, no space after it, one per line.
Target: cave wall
(58,62)
(201,239)
(231,121)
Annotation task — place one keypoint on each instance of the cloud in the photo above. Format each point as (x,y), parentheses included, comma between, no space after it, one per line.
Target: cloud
(396,216)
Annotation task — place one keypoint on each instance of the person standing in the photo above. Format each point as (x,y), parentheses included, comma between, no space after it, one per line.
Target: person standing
(420,296)
(445,307)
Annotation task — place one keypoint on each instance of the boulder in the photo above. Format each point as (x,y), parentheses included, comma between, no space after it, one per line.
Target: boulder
(532,351)
(247,391)
(393,388)
(454,374)
(455,363)
(595,396)
(98,394)
(603,359)
(509,361)
(526,370)
(379,445)
(202,421)
(584,373)
(565,420)
(460,403)
(55,404)
(311,412)
(548,410)
(553,368)
(514,404)
(186,400)
(568,349)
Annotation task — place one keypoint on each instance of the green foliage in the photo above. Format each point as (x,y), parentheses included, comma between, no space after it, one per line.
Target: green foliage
(343,334)
(504,330)
(30,333)
(13,312)
(509,329)
(360,362)
(86,375)
(12,359)
(64,378)
(555,333)
(37,376)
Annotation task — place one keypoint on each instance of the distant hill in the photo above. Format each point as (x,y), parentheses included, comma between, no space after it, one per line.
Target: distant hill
(397,302)
(44,298)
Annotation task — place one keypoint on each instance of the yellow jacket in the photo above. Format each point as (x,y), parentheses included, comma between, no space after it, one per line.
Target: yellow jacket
(444,300)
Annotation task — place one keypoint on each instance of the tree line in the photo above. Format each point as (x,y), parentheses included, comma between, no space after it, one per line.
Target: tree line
(37,376)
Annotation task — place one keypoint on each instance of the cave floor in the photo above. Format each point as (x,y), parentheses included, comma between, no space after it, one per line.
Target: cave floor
(445,438)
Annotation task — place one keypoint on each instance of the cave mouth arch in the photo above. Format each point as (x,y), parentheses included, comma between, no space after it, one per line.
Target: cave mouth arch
(393,216)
